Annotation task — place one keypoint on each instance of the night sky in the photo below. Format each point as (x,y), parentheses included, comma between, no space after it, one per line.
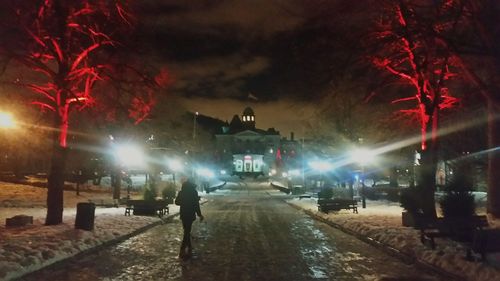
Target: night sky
(226,55)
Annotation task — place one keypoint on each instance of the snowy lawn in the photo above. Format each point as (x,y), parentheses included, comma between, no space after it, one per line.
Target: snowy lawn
(381,221)
(25,249)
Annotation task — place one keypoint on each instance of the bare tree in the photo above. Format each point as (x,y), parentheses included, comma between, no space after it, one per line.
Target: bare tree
(67,46)
(411,49)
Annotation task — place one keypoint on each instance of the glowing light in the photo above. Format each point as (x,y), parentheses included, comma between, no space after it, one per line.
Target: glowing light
(363,156)
(223,172)
(175,165)
(320,165)
(272,172)
(130,155)
(204,172)
(7,121)
(284,174)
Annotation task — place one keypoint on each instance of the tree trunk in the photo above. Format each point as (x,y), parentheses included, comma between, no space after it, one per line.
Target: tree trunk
(428,166)
(116,182)
(55,182)
(427,182)
(55,186)
(493,205)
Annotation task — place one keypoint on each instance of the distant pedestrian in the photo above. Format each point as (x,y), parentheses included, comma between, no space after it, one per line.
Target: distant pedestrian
(189,203)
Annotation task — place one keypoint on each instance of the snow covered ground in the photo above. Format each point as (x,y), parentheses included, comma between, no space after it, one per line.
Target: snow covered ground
(381,221)
(25,249)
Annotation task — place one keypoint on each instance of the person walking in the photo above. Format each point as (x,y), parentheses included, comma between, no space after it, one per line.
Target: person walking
(189,203)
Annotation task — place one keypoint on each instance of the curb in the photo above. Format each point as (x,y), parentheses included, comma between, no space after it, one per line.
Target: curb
(281,188)
(408,259)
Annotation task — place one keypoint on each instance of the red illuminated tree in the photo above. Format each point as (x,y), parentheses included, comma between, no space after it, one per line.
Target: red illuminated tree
(69,48)
(412,50)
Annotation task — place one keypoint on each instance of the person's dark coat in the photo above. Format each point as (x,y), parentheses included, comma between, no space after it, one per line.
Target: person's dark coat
(189,202)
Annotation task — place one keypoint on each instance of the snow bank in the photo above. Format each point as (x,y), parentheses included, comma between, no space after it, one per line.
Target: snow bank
(382,222)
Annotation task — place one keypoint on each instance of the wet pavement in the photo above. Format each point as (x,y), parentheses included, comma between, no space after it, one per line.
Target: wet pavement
(249,234)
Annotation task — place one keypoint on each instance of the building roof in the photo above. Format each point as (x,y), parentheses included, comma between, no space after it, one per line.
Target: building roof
(248,111)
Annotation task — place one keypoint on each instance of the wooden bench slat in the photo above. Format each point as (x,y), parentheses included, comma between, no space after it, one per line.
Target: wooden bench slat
(161,206)
(325,205)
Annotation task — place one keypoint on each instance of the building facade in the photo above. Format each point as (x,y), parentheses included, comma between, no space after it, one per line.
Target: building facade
(244,150)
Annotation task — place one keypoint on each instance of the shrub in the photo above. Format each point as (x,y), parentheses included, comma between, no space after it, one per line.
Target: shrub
(169,191)
(458,200)
(393,194)
(326,193)
(150,192)
(341,193)
(409,199)
(458,204)
(370,193)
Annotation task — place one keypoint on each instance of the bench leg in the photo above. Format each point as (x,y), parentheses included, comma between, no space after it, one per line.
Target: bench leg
(424,238)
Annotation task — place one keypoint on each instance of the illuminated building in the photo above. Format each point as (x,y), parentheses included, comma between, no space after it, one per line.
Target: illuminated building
(246,150)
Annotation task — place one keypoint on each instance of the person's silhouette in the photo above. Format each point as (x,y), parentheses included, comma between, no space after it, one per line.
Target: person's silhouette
(189,203)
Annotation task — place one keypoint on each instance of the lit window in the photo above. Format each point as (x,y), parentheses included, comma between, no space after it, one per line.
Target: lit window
(252,118)
(244,118)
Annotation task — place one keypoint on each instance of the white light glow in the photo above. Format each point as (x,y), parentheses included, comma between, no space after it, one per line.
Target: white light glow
(363,156)
(130,155)
(320,165)
(175,165)
(6,120)
(204,172)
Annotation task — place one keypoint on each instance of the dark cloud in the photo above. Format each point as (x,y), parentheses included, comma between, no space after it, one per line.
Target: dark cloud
(216,48)
(217,76)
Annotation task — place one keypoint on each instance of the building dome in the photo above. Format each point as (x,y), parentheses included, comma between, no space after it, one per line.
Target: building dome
(248,119)
(248,112)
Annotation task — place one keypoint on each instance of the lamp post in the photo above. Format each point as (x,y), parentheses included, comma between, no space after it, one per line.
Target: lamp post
(195,116)
(362,156)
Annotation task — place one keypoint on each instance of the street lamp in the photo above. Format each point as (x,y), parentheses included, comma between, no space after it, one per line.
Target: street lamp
(127,155)
(321,166)
(363,156)
(7,120)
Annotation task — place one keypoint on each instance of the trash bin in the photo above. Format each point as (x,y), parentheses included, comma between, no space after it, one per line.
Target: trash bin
(85,213)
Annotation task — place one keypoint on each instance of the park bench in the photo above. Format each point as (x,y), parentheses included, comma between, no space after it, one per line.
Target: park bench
(484,241)
(143,207)
(305,196)
(460,229)
(325,205)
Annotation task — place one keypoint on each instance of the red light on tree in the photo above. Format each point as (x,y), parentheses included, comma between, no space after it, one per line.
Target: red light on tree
(67,43)
(414,53)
